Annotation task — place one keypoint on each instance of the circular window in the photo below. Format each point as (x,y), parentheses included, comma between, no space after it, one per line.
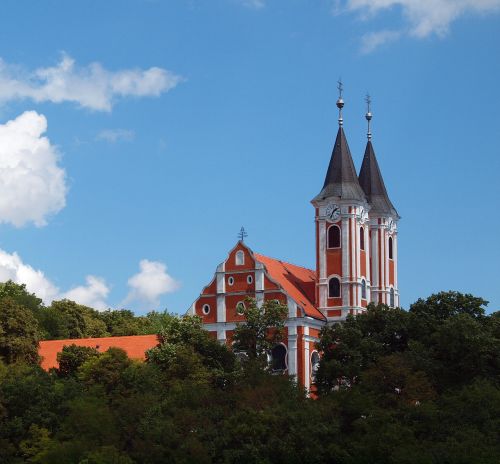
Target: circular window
(240,308)
(249,279)
(206,309)
(230,281)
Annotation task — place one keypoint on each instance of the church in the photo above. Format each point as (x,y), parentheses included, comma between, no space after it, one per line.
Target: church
(356,263)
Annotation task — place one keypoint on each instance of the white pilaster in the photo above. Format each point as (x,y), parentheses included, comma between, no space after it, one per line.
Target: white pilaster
(307,368)
(221,308)
(292,350)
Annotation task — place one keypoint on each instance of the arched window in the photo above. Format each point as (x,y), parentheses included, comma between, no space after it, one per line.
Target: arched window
(363,289)
(240,258)
(278,358)
(334,237)
(390,248)
(391,298)
(240,308)
(334,288)
(314,365)
(362,238)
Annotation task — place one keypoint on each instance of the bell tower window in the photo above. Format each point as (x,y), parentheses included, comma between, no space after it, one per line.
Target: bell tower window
(334,288)
(390,248)
(334,236)
(391,298)
(361,238)
(363,289)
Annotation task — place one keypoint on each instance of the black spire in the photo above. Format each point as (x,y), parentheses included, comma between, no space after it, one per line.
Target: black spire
(370,179)
(341,179)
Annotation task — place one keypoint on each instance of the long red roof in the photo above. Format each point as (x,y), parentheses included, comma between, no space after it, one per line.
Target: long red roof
(135,346)
(299,282)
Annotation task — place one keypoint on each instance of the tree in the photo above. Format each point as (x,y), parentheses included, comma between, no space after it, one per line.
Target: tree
(20,295)
(72,357)
(18,333)
(262,330)
(186,349)
(67,319)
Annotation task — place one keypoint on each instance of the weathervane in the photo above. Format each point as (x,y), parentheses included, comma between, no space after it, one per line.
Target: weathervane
(368,114)
(242,234)
(340,102)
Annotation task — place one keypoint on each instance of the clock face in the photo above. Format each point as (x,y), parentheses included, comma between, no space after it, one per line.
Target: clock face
(332,212)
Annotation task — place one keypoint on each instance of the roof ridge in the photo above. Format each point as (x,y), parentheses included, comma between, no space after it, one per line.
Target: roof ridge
(285,262)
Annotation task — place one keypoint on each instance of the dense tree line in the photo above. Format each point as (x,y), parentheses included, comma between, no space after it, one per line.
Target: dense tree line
(393,386)
(66,319)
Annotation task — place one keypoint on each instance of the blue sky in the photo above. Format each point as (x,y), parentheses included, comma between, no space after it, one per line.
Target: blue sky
(172,124)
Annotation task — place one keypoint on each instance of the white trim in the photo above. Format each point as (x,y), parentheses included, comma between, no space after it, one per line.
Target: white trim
(311,365)
(335,276)
(292,307)
(292,351)
(345,260)
(221,308)
(240,303)
(239,258)
(328,247)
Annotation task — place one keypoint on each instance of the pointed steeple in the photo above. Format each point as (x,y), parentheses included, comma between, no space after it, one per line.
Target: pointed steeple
(341,179)
(370,178)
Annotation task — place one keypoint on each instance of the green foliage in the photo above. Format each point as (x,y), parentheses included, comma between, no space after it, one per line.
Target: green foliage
(388,392)
(18,333)
(186,350)
(72,357)
(262,330)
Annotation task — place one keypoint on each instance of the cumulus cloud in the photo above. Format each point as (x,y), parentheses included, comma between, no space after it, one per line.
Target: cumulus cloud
(91,86)
(32,184)
(93,294)
(146,286)
(422,17)
(116,135)
(13,268)
(150,283)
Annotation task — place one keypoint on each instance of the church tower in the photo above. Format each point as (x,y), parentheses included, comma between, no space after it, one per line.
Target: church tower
(383,228)
(342,235)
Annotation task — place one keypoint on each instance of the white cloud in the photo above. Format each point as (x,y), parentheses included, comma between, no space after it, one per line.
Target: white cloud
(256,4)
(150,283)
(93,294)
(373,40)
(116,135)
(146,286)
(13,268)
(423,17)
(91,86)
(32,185)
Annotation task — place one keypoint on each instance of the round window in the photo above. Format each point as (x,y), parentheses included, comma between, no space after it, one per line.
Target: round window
(249,279)
(206,309)
(230,281)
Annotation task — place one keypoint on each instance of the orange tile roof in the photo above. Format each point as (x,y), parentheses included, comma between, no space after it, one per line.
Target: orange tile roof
(134,345)
(297,281)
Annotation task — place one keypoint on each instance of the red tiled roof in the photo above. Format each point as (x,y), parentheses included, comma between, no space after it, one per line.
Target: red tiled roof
(134,345)
(297,281)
